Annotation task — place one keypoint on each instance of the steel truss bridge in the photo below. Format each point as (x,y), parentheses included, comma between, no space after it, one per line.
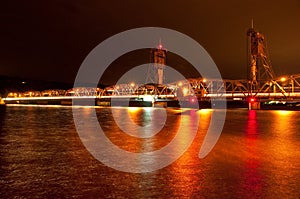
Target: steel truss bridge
(262,84)
(283,88)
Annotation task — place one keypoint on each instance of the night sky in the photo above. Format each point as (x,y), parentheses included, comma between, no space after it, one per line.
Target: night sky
(49,39)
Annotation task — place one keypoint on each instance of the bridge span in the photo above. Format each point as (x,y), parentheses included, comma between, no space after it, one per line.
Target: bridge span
(278,91)
(262,87)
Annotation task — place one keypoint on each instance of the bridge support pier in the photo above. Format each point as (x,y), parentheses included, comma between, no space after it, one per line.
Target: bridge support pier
(254,105)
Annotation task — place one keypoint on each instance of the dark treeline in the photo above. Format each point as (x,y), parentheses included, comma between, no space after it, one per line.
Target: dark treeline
(17,84)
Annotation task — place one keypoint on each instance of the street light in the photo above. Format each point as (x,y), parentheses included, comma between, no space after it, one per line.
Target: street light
(283,79)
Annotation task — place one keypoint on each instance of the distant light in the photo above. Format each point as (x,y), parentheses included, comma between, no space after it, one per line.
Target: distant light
(252,99)
(204,80)
(23,82)
(283,79)
(132,84)
(180,84)
(192,100)
(237,98)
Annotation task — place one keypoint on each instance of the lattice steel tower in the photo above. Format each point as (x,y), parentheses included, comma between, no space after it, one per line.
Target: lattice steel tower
(158,60)
(259,62)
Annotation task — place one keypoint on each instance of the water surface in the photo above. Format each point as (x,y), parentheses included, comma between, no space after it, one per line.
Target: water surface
(257,156)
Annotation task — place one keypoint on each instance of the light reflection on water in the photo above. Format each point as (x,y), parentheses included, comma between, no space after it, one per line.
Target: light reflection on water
(257,156)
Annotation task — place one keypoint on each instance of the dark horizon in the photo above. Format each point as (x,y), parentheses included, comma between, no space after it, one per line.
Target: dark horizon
(49,40)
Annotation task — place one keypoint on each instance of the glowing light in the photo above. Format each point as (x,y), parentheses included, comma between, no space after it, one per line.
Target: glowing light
(204,111)
(283,112)
(133,109)
(192,100)
(252,99)
(132,84)
(283,79)
(204,80)
(45,98)
(185,91)
(180,84)
(237,99)
(148,98)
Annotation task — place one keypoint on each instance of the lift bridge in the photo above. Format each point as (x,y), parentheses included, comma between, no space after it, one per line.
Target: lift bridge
(261,86)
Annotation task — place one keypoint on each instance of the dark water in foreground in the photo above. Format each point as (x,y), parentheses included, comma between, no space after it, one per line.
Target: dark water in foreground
(257,156)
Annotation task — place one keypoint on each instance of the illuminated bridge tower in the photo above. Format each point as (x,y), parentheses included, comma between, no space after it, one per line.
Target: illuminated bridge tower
(259,62)
(158,58)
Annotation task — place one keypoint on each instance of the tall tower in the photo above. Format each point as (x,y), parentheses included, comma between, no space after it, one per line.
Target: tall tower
(259,62)
(158,58)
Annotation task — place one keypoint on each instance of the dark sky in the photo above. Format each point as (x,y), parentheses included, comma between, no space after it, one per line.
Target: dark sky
(49,39)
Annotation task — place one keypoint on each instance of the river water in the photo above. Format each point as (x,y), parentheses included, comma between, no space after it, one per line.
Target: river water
(42,155)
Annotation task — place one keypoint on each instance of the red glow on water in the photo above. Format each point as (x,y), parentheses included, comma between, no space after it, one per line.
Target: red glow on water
(252,180)
(252,123)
